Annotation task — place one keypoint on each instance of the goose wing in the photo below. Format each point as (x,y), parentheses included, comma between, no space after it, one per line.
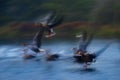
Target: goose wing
(55,21)
(37,38)
(46,18)
(85,41)
(99,52)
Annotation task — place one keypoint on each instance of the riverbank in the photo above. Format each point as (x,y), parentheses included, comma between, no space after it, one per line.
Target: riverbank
(26,30)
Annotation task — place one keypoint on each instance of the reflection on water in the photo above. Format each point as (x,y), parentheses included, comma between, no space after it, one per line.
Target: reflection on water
(15,68)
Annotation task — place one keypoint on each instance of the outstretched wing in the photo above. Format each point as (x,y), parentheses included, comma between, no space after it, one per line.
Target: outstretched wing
(97,53)
(51,19)
(89,40)
(85,41)
(84,35)
(46,18)
(38,37)
(55,21)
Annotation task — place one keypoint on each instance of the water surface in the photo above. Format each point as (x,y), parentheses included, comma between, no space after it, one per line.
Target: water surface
(13,67)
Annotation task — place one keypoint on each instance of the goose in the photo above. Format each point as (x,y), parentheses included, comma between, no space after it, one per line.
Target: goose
(51,57)
(50,21)
(32,49)
(81,55)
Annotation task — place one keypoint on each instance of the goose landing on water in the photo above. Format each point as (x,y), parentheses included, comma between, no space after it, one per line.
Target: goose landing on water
(51,57)
(81,55)
(85,58)
(31,50)
(26,56)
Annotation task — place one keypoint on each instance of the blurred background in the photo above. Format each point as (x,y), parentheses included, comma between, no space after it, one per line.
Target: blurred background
(17,17)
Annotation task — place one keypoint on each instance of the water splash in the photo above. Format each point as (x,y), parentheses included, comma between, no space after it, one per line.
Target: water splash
(10,51)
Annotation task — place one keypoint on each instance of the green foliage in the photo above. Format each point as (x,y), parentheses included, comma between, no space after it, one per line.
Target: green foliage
(108,11)
(74,10)
(29,9)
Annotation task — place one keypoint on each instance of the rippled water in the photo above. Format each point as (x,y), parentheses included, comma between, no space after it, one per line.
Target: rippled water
(13,67)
